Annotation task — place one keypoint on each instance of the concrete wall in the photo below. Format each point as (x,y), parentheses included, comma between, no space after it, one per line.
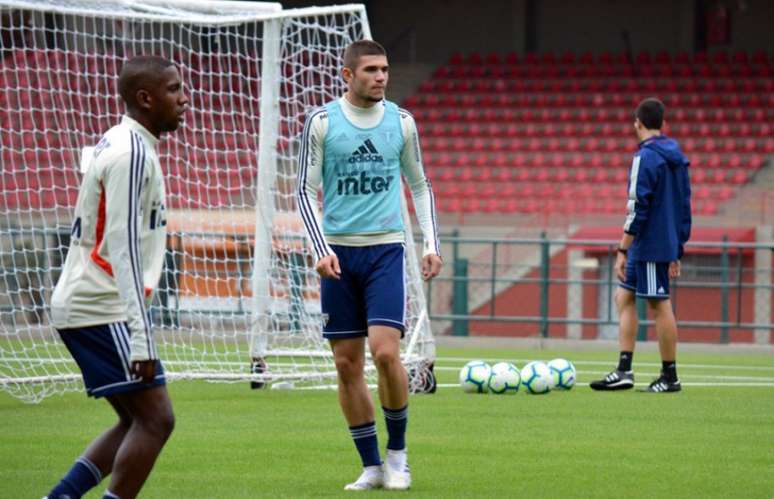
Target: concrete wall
(443,27)
(596,25)
(751,28)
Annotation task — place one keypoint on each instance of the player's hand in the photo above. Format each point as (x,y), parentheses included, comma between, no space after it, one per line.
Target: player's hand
(620,266)
(431,266)
(674,269)
(328,267)
(144,369)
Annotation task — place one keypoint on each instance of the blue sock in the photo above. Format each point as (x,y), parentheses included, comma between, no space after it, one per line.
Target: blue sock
(364,436)
(110,495)
(397,420)
(81,478)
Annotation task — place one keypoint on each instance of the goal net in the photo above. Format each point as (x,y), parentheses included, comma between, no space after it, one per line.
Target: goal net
(239,280)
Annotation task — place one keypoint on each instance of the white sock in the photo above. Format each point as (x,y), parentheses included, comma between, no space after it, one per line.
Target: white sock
(372,470)
(396,459)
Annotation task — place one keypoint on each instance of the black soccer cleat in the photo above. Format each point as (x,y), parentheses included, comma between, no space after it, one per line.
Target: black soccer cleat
(663,385)
(616,380)
(257,366)
(422,378)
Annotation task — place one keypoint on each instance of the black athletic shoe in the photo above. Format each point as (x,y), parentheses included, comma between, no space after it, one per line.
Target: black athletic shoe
(616,380)
(422,378)
(257,366)
(663,385)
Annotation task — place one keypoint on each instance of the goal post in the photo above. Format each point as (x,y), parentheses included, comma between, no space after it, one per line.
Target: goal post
(239,279)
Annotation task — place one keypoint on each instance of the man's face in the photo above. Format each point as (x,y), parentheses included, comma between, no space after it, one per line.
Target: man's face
(369,80)
(170,101)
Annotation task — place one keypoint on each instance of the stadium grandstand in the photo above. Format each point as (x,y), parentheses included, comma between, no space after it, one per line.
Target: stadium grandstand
(525,111)
(525,114)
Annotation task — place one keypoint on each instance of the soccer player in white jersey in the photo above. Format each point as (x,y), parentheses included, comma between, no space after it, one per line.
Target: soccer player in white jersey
(358,146)
(99,305)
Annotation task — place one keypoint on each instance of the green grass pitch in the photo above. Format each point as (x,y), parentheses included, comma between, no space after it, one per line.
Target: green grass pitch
(715,439)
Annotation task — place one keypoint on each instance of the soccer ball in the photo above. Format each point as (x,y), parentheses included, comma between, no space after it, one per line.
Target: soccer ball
(562,374)
(536,377)
(504,378)
(474,376)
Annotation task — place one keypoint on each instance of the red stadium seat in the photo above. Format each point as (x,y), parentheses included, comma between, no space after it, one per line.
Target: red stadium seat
(470,205)
(662,57)
(643,58)
(720,57)
(493,58)
(567,57)
(512,58)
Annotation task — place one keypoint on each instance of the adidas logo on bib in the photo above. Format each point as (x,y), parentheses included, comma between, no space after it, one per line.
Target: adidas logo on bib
(366,153)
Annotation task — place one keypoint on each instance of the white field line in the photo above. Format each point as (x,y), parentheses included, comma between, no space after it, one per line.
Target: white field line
(612,363)
(766,379)
(765,385)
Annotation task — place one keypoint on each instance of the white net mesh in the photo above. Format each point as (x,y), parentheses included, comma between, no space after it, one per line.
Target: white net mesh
(238,281)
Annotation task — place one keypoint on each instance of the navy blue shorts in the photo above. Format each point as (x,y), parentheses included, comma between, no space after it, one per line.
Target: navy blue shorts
(371,291)
(102,353)
(647,279)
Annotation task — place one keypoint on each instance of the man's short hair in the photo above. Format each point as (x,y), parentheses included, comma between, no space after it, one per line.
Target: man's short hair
(356,50)
(143,71)
(650,112)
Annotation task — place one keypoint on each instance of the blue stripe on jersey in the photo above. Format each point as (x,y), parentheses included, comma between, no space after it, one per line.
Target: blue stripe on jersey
(305,206)
(135,187)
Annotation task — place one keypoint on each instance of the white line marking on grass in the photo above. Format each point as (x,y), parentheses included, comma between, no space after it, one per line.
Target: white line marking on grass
(612,363)
(765,385)
(762,379)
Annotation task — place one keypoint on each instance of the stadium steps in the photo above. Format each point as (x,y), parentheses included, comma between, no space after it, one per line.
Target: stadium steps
(754,202)
(405,78)
(522,260)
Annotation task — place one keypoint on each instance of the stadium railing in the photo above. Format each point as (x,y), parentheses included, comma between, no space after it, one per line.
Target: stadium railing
(565,288)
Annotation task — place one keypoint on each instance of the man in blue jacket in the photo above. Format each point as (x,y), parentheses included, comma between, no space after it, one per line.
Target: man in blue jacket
(657,227)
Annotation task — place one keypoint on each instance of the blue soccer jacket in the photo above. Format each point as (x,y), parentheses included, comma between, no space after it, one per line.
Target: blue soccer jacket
(659,205)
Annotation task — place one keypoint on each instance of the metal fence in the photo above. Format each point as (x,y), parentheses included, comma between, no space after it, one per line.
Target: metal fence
(510,287)
(566,287)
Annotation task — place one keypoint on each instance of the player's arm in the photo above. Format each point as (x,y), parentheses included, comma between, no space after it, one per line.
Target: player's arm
(121,180)
(422,193)
(685,222)
(310,165)
(642,182)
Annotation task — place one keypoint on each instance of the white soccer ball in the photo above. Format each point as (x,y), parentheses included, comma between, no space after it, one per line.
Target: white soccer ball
(474,377)
(504,379)
(562,374)
(536,377)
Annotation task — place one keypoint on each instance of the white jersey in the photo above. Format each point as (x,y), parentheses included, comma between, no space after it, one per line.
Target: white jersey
(310,175)
(118,239)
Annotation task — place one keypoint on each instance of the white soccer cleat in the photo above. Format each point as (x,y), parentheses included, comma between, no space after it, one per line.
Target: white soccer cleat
(371,478)
(396,471)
